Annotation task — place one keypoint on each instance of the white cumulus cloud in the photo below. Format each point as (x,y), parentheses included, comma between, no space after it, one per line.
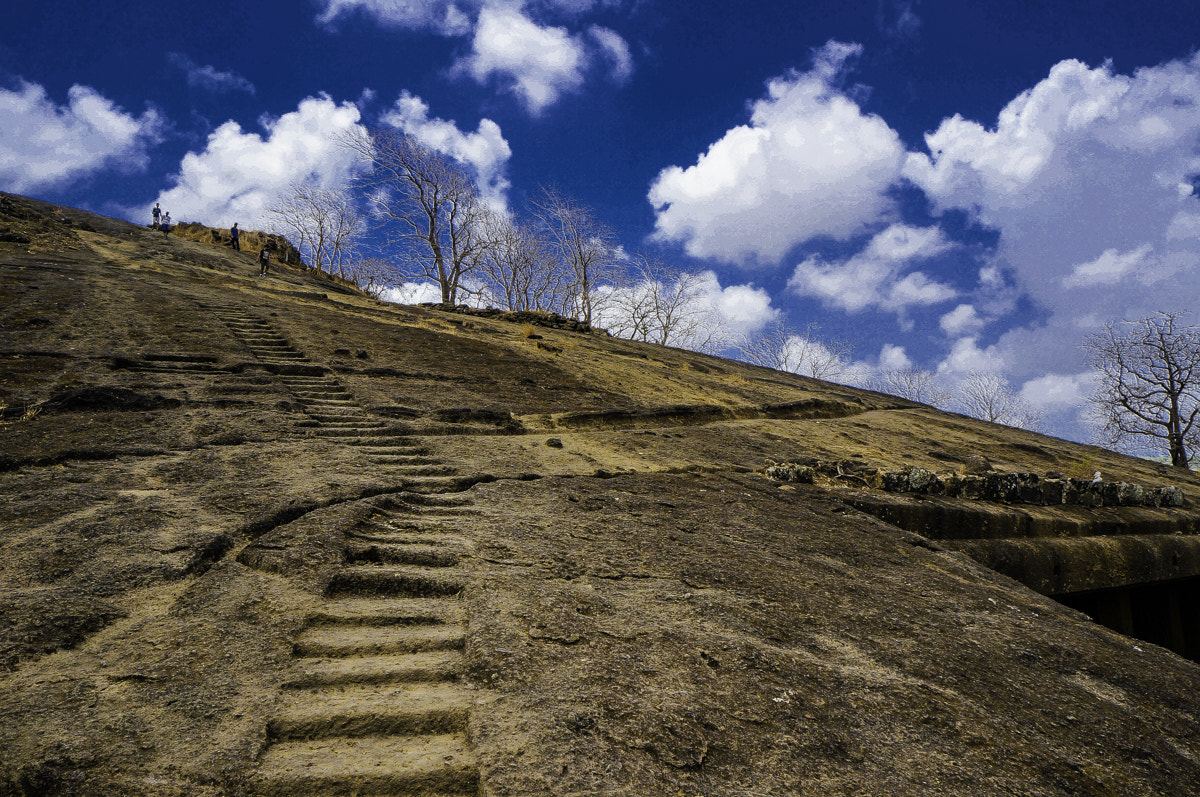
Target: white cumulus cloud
(874,277)
(893,358)
(1087,177)
(485,150)
(240,173)
(536,63)
(710,316)
(44,144)
(962,320)
(966,356)
(513,44)
(1057,391)
(809,163)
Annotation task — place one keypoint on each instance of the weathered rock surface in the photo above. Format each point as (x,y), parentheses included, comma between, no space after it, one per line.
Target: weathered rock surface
(270,537)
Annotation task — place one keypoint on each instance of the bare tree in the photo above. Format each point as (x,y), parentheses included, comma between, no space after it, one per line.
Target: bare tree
(584,244)
(371,275)
(323,222)
(664,305)
(799,351)
(436,213)
(914,384)
(988,396)
(518,267)
(1149,390)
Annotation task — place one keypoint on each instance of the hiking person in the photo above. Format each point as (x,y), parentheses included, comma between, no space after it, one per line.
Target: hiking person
(264,261)
(165,225)
(233,234)
(156,213)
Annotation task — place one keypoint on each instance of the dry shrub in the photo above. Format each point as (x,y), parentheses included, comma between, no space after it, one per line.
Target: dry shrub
(1084,467)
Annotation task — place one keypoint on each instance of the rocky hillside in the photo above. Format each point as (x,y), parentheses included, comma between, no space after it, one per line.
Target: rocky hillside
(273,537)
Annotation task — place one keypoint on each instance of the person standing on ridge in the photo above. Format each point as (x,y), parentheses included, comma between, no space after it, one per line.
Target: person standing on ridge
(233,234)
(264,261)
(165,226)
(156,213)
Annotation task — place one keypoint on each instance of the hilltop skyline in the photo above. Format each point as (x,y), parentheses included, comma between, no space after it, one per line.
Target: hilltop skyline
(949,187)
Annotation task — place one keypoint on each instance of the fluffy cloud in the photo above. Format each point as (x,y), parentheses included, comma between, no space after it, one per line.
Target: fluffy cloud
(239,174)
(1088,177)
(1057,391)
(962,320)
(209,77)
(743,309)
(44,144)
(966,356)
(485,150)
(510,46)
(536,63)
(893,358)
(809,163)
(415,293)
(709,317)
(874,277)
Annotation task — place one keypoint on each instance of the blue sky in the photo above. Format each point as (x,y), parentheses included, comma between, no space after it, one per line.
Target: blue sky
(951,185)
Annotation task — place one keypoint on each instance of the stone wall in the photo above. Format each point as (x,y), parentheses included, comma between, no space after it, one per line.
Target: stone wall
(1006,488)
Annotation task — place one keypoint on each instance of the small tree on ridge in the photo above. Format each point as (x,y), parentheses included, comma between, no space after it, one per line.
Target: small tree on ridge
(1149,385)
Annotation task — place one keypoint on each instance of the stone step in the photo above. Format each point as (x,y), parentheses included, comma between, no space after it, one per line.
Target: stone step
(403,469)
(303,379)
(387,611)
(393,580)
(357,429)
(426,666)
(328,402)
(394,450)
(342,641)
(318,390)
(403,459)
(406,554)
(416,531)
(266,341)
(371,709)
(425,766)
(380,439)
(357,433)
(283,350)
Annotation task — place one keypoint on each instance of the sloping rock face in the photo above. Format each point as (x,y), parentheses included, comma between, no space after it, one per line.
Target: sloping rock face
(263,536)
